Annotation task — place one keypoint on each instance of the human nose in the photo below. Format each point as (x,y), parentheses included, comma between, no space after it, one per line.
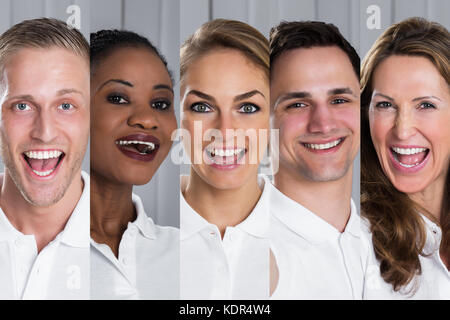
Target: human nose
(143,117)
(404,124)
(321,119)
(45,127)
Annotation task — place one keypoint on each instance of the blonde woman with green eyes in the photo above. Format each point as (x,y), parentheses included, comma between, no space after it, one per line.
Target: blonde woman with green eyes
(224,216)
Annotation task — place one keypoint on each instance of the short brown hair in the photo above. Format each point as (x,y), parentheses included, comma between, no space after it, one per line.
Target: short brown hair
(308,34)
(42,33)
(398,230)
(222,33)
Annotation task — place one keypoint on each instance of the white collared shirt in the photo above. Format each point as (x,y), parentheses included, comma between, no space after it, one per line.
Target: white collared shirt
(314,259)
(59,271)
(235,267)
(433,283)
(147,266)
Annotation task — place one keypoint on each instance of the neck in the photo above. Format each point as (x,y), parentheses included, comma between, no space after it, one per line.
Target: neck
(221,207)
(45,223)
(431,198)
(111,208)
(329,200)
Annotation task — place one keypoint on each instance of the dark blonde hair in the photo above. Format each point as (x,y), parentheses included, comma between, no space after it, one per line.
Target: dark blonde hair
(231,34)
(42,33)
(398,230)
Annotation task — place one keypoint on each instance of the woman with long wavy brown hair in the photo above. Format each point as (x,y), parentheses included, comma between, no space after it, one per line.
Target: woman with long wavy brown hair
(405,152)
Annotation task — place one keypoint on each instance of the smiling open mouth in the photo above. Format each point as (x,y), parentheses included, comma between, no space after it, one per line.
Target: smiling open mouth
(224,157)
(43,163)
(324,146)
(141,147)
(409,157)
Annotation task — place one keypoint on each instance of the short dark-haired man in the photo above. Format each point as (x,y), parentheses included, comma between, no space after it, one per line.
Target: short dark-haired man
(315,105)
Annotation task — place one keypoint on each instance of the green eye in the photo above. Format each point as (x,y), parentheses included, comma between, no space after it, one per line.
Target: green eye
(200,107)
(248,108)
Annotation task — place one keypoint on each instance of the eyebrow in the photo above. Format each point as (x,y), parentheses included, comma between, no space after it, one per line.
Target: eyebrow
(129,84)
(426,97)
(292,95)
(247,95)
(346,90)
(415,99)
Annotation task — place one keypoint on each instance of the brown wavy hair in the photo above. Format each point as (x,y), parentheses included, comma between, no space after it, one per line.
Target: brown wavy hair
(398,230)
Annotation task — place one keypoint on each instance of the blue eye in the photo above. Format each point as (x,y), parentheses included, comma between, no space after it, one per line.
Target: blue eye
(117,99)
(248,108)
(427,105)
(296,105)
(201,107)
(161,104)
(66,106)
(22,106)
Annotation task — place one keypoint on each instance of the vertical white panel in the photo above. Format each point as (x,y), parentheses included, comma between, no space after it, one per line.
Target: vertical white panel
(231,9)
(85,16)
(294,10)
(409,8)
(27,9)
(368,36)
(143,17)
(106,14)
(5,15)
(337,13)
(259,16)
(439,10)
(193,14)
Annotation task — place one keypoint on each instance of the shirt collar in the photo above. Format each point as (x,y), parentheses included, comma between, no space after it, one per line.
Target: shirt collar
(434,235)
(143,222)
(76,233)
(306,223)
(256,224)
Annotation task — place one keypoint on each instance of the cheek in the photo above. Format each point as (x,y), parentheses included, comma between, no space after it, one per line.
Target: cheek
(379,128)
(290,126)
(350,118)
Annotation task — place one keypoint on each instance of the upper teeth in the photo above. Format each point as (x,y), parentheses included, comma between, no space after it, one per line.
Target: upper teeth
(225,153)
(324,145)
(408,150)
(43,154)
(126,142)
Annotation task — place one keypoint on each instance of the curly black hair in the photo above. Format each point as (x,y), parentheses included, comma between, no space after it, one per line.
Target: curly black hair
(104,42)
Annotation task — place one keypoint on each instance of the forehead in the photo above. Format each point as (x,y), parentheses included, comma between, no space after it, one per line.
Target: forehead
(30,68)
(312,67)
(138,64)
(421,75)
(225,71)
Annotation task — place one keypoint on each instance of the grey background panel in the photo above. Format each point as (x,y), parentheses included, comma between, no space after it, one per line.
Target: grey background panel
(264,14)
(392,11)
(158,20)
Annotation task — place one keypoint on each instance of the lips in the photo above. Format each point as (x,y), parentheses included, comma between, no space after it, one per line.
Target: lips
(141,147)
(225,158)
(409,159)
(43,163)
(324,146)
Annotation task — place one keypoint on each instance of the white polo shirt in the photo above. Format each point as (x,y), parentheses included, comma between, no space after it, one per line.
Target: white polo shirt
(433,283)
(147,266)
(314,259)
(59,271)
(235,267)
